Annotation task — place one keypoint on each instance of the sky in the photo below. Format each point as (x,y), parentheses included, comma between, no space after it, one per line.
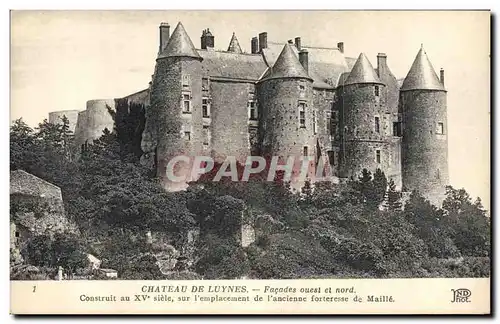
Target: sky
(61,59)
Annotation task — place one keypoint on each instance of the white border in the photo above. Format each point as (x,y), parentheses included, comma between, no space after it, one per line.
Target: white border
(145,5)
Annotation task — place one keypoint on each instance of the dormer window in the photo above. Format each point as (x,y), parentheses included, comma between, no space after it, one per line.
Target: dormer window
(186,103)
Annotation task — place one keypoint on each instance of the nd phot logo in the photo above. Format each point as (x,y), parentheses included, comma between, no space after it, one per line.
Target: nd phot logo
(461,295)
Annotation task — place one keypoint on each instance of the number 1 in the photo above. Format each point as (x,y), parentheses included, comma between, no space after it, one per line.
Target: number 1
(34,288)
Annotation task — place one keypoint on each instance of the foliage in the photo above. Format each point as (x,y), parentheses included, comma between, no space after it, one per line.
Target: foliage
(62,250)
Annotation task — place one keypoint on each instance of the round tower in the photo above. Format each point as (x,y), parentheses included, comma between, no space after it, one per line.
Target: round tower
(92,122)
(56,117)
(363,121)
(174,119)
(425,139)
(286,109)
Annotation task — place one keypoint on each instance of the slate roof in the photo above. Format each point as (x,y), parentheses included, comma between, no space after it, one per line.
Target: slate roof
(362,72)
(232,65)
(287,65)
(422,75)
(179,44)
(325,64)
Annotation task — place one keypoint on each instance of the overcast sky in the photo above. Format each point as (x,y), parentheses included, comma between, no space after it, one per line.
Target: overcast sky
(59,60)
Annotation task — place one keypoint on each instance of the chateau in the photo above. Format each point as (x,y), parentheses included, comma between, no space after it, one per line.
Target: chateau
(288,99)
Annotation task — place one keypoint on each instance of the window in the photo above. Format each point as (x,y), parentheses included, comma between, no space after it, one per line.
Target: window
(302,87)
(187,135)
(186,80)
(331,157)
(252,110)
(205,107)
(314,123)
(302,114)
(306,153)
(206,135)
(204,84)
(396,129)
(377,125)
(377,91)
(186,103)
(17,234)
(378,156)
(440,128)
(438,175)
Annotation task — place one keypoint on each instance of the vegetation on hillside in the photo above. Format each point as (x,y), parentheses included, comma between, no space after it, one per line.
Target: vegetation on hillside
(325,230)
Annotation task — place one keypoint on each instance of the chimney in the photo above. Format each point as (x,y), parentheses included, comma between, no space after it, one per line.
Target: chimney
(304,59)
(340,46)
(262,41)
(207,39)
(164,35)
(441,76)
(255,45)
(381,64)
(298,43)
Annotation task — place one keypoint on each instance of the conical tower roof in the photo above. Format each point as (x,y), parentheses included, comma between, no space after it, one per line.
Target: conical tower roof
(422,75)
(287,66)
(234,45)
(362,72)
(179,44)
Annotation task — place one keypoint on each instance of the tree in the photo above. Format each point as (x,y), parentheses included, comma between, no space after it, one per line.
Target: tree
(393,197)
(468,223)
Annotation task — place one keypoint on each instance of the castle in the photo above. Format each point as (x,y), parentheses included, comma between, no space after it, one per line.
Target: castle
(289,99)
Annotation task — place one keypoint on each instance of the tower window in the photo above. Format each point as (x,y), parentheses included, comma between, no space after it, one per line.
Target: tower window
(440,128)
(252,110)
(186,80)
(186,103)
(377,124)
(314,123)
(17,234)
(377,156)
(206,135)
(205,107)
(377,91)
(302,114)
(306,152)
(204,84)
(331,157)
(187,135)
(396,129)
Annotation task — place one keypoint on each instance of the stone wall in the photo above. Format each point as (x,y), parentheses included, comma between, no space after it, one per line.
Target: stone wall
(424,152)
(280,132)
(55,117)
(359,140)
(36,208)
(92,122)
(229,119)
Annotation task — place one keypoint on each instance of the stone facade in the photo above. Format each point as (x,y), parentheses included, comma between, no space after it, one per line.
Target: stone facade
(354,116)
(36,208)
(55,117)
